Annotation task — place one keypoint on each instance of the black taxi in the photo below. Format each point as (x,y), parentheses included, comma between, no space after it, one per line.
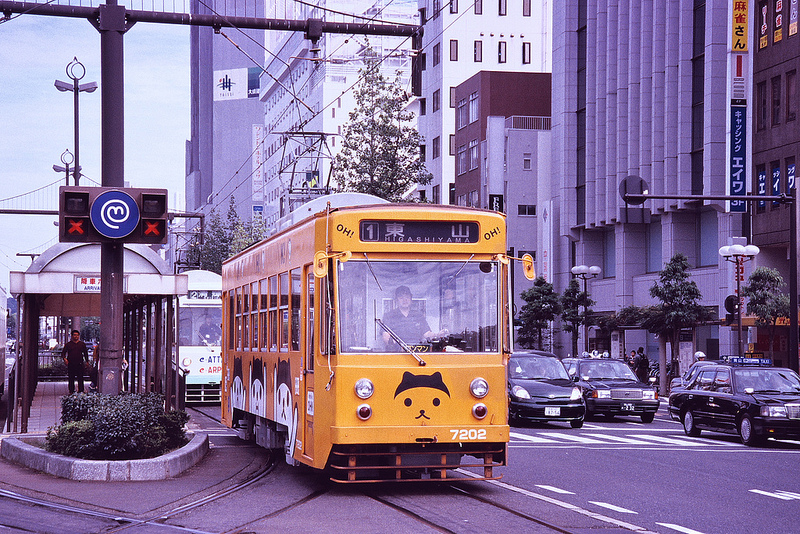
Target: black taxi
(755,401)
(610,388)
(540,390)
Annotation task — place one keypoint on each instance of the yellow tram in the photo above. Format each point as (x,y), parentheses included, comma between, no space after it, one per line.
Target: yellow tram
(372,341)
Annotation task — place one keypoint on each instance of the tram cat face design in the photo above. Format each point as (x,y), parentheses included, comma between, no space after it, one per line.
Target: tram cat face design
(258,404)
(422,393)
(237,388)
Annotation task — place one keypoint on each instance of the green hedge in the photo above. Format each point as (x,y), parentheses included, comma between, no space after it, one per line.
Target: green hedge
(116,427)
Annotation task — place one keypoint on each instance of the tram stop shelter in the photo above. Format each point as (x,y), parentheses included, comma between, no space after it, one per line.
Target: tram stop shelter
(64,281)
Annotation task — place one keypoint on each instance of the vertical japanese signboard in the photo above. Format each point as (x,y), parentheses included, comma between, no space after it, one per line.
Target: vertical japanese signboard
(737,143)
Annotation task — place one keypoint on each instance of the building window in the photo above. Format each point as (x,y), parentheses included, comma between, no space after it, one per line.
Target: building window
(526,161)
(462,159)
(526,53)
(791,95)
(776,100)
(437,6)
(478,52)
(437,54)
(473,155)
(654,262)
(479,7)
(437,197)
(423,106)
(437,100)
(453,49)
(453,6)
(422,152)
(452,149)
(502,7)
(473,107)
(501,52)
(473,199)
(708,253)
(761,105)
(526,8)
(526,210)
(452,97)
(462,114)
(437,148)
(610,254)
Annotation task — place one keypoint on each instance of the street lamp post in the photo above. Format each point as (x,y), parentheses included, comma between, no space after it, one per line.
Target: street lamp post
(76,71)
(584,273)
(738,255)
(66,159)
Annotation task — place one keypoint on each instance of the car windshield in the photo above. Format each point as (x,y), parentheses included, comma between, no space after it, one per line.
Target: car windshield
(419,306)
(767,381)
(536,368)
(605,370)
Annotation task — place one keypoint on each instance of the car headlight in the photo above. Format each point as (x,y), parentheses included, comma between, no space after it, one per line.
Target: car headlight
(479,388)
(364,388)
(576,394)
(648,395)
(520,392)
(773,411)
(601,393)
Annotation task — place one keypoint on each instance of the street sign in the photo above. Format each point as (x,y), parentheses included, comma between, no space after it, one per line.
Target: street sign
(114,214)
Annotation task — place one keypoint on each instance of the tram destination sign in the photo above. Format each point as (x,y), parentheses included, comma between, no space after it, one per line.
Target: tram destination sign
(419,231)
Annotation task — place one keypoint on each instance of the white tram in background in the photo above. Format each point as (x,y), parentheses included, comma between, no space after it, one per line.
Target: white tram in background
(200,335)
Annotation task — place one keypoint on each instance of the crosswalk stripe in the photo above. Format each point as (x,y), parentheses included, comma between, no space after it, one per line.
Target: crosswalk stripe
(532,439)
(572,437)
(620,439)
(670,441)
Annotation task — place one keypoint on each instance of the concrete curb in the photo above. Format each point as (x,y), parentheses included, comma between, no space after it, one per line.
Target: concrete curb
(24,451)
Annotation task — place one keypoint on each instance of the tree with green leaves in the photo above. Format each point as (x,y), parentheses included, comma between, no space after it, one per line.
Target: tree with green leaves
(224,239)
(380,152)
(575,311)
(766,301)
(679,308)
(542,305)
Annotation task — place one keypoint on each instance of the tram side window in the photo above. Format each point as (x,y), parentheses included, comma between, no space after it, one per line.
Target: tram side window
(254,316)
(245,318)
(310,319)
(295,326)
(328,321)
(283,278)
(273,313)
(264,314)
(231,320)
(238,291)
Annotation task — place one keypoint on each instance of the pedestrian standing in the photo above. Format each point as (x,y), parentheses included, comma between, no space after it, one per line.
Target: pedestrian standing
(75,355)
(642,366)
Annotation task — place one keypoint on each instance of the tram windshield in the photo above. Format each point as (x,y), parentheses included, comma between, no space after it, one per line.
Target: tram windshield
(200,325)
(420,306)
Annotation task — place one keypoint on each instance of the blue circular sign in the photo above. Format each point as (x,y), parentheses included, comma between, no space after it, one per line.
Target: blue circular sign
(114,214)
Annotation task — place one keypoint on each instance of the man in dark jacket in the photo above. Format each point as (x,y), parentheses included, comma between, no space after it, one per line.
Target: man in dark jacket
(75,354)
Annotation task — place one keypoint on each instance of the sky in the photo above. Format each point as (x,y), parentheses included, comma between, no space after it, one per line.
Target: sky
(36,120)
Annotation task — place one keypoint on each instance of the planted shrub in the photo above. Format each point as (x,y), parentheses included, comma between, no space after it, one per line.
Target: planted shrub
(116,427)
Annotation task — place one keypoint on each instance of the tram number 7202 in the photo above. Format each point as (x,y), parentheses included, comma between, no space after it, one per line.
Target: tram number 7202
(468,434)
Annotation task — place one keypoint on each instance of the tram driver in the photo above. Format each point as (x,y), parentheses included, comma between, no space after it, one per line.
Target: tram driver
(408,324)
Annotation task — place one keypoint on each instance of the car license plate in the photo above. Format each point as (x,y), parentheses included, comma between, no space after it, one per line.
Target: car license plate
(627,407)
(552,411)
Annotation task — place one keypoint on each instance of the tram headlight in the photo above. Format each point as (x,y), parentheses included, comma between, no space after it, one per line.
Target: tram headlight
(480,410)
(479,388)
(364,388)
(364,412)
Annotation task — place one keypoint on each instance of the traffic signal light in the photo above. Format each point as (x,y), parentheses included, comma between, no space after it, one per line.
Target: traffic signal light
(108,214)
(153,209)
(74,224)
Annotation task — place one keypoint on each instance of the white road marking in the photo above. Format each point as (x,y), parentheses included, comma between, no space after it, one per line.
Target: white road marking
(669,441)
(783,495)
(532,439)
(613,507)
(572,437)
(554,489)
(562,504)
(620,439)
(679,528)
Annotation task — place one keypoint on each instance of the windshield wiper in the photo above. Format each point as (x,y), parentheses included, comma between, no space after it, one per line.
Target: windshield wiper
(400,342)
(372,272)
